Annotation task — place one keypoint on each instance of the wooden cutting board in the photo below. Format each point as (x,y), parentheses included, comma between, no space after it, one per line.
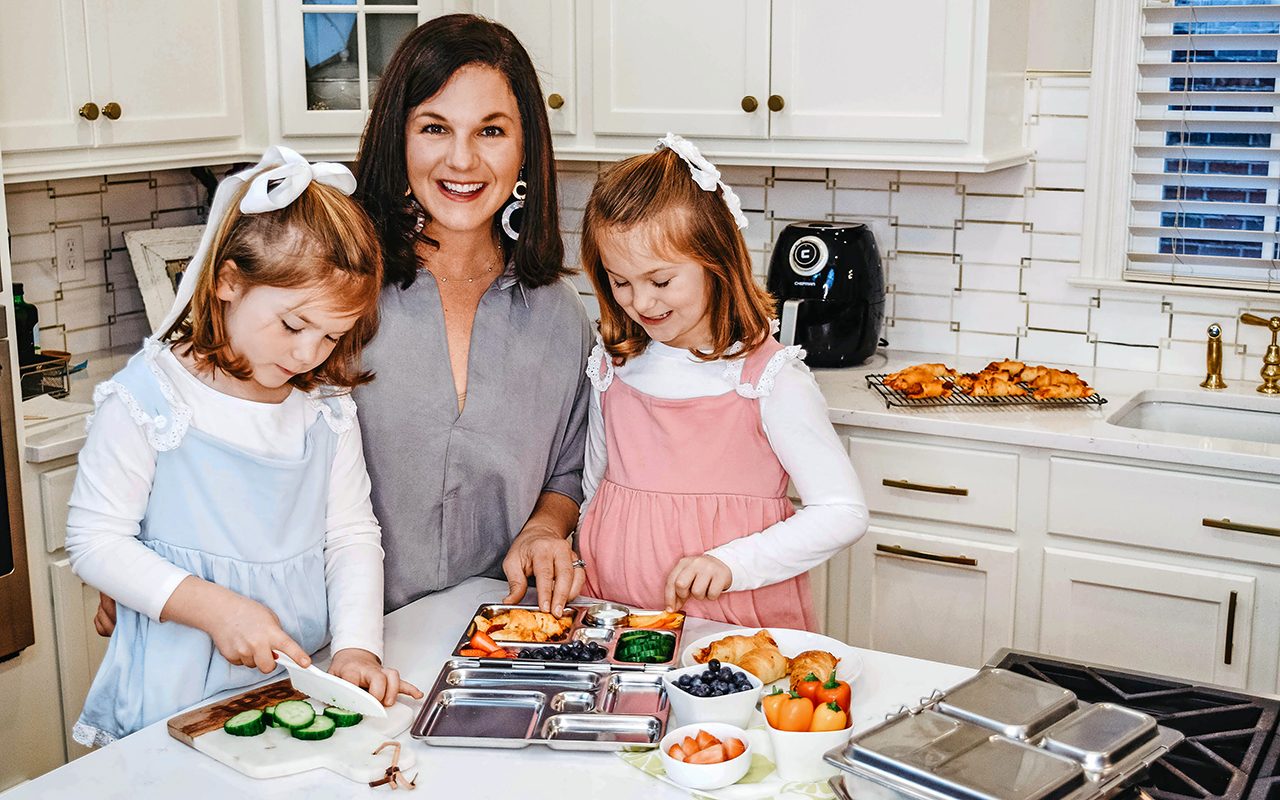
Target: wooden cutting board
(349,752)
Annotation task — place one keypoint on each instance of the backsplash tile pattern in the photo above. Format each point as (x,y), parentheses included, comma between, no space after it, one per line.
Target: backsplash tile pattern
(976,265)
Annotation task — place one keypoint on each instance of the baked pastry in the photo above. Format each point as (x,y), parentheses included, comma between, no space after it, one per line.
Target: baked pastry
(757,654)
(903,379)
(766,663)
(996,385)
(1008,367)
(523,625)
(927,389)
(818,662)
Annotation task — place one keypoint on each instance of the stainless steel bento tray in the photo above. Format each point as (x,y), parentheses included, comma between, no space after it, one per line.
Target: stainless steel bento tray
(1002,736)
(572,707)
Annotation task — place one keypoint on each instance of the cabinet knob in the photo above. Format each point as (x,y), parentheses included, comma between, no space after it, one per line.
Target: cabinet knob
(555,100)
(750,104)
(776,102)
(113,110)
(89,111)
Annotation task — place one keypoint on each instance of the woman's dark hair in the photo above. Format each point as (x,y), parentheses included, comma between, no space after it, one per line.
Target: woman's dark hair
(423,63)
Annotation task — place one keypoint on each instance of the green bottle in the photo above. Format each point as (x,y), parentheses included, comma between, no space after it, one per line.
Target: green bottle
(25,317)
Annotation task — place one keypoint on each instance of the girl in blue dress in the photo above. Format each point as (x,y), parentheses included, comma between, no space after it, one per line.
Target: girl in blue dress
(222,498)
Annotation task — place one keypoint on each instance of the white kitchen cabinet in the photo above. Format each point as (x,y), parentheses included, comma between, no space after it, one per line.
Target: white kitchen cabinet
(105,73)
(80,648)
(546,29)
(933,597)
(55,491)
(1167,619)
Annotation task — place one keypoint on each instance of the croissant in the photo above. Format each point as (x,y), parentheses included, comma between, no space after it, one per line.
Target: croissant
(819,662)
(927,389)
(733,648)
(1008,366)
(766,663)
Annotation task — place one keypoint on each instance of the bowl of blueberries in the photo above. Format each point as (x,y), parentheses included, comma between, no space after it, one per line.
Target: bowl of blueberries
(713,692)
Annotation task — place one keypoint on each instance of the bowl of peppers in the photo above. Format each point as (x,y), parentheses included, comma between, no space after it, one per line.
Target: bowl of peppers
(805,723)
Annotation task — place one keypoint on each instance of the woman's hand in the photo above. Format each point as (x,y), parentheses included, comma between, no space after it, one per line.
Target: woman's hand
(365,670)
(701,577)
(104,622)
(546,555)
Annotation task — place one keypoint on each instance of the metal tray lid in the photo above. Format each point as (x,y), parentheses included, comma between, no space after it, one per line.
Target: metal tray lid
(1008,703)
(1101,736)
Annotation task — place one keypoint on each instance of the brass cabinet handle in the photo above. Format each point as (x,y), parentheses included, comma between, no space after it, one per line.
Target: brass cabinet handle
(89,111)
(1240,527)
(776,102)
(111,110)
(924,487)
(750,104)
(1231,629)
(555,100)
(895,550)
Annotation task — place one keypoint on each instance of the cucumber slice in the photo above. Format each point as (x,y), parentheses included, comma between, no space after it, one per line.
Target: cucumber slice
(320,728)
(246,723)
(270,714)
(295,714)
(342,717)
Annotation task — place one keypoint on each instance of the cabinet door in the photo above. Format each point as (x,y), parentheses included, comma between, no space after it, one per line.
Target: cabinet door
(55,492)
(1171,620)
(671,65)
(546,29)
(172,68)
(871,70)
(80,648)
(931,597)
(45,75)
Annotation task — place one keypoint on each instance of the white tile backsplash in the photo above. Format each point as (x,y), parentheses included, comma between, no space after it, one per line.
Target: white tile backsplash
(993,243)
(915,204)
(989,312)
(799,200)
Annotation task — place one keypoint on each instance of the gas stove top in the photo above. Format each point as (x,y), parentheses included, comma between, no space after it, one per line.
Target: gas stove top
(1231,750)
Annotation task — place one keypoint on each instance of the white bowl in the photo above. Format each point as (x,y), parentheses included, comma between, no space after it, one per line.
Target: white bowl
(797,755)
(791,643)
(731,709)
(706,776)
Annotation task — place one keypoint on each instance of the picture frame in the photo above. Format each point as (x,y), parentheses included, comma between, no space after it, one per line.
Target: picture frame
(160,256)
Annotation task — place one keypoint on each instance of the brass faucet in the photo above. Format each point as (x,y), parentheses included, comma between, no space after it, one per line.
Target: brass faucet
(1271,360)
(1213,360)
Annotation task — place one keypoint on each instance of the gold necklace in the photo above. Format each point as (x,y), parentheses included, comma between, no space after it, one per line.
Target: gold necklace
(472,279)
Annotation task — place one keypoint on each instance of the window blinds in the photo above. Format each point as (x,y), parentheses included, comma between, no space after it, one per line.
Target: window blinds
(1206,166)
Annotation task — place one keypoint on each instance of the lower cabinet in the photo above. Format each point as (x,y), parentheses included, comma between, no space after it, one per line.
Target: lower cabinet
(1173,620)
(80,648)
(931,597)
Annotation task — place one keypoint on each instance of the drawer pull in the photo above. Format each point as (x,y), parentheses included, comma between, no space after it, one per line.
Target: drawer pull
(924,487)
(1228,525)
(1231,630)
(895,550)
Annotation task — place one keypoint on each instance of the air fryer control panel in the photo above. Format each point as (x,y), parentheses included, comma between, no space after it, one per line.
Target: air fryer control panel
(808,256)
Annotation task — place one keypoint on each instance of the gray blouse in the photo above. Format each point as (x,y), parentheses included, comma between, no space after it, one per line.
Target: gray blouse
(452,490)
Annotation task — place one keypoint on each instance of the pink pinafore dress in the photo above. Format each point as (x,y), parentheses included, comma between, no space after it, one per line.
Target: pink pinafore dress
(684,476)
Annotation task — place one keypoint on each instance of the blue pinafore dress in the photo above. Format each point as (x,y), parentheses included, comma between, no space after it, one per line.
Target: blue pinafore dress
(252,524)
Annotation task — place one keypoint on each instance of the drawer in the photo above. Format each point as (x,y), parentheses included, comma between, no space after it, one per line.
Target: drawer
(55,493)
(1186,512)
(947,484)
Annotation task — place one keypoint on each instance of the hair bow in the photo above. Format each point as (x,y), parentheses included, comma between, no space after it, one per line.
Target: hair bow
(704,173)
(274,182)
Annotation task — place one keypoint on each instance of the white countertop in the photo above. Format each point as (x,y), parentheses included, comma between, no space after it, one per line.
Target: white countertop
(419,638)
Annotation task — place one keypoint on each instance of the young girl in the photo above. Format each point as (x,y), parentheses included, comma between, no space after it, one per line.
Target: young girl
(222,497)
(699,416)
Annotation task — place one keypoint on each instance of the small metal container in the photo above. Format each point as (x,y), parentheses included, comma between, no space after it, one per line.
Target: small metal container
(1006,702)
(1101,736)
(606,615)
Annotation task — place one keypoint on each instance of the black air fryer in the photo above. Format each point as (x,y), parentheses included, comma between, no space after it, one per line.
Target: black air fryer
(829,285)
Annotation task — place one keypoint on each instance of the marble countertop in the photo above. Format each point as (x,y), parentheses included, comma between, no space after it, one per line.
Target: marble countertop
(419,637)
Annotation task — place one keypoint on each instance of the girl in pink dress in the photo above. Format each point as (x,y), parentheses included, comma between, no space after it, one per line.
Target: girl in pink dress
(699,417)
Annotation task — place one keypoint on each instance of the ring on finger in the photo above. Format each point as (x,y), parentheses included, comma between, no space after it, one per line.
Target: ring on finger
(578,564)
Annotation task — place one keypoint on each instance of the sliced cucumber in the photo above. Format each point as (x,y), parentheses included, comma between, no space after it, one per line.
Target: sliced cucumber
(320,728)
(246,723)
(294,714)
(342,717)
(270,713)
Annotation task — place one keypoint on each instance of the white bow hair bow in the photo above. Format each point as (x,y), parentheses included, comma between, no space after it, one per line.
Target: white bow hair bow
(279,186)
(704,173)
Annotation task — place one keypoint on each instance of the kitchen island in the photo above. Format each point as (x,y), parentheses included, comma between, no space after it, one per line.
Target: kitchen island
(419,638)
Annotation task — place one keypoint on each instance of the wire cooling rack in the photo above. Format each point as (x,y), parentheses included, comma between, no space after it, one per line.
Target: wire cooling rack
(958,399)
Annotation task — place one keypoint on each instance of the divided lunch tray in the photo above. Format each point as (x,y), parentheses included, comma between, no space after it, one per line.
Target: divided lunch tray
(607,704)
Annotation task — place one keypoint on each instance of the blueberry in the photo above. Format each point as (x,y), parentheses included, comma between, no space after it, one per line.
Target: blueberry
(713,665)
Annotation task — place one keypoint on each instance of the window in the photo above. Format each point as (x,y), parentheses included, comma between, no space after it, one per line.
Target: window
(1203,143)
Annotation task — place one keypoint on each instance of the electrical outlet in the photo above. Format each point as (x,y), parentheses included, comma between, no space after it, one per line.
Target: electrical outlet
(70,253)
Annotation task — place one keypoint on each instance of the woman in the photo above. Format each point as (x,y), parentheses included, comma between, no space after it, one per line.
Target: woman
(474,429)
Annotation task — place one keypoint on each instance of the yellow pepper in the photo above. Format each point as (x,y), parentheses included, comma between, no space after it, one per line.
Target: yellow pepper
(829,717)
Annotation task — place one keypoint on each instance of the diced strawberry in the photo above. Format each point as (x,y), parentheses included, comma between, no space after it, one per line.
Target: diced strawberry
(706,740)
(733,748)
(676,752)
(712,755)
(689,746)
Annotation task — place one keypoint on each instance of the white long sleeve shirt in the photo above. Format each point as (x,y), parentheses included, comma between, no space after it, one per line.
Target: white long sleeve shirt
(117,466)
(795,421)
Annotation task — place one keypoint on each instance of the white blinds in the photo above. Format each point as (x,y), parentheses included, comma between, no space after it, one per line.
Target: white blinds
(1206,166)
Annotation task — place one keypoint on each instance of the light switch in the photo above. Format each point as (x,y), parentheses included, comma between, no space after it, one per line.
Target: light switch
(70,253)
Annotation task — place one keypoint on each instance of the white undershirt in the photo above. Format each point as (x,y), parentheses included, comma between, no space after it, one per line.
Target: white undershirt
(117,466)
(795,421)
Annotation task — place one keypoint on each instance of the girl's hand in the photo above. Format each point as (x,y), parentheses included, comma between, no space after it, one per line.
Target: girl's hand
(104,622)
(245,632)
(364,670)
(701,577)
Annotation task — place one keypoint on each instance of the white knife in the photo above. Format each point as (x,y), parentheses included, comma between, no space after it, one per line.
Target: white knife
(320,685)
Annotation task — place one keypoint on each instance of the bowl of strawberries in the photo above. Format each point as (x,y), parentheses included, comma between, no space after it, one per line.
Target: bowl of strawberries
(707,755)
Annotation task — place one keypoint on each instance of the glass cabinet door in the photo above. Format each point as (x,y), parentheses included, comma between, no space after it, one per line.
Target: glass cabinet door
(332,55)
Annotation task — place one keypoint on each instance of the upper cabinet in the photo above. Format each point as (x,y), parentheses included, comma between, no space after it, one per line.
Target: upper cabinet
(546,29)
(106,73)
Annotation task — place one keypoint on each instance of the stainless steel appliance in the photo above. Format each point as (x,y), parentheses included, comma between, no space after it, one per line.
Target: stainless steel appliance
(17,630)
(829,285)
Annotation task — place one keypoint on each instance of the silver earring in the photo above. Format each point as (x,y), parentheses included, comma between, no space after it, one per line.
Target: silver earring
(419,213)
(518,192)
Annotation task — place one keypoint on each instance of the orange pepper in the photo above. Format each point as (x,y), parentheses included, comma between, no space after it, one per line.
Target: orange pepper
(829,717)
(834,691)
(772,705)
(809,687)
(796,714)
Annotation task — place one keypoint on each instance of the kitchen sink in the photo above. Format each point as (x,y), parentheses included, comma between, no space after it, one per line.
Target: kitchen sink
(1223,416)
